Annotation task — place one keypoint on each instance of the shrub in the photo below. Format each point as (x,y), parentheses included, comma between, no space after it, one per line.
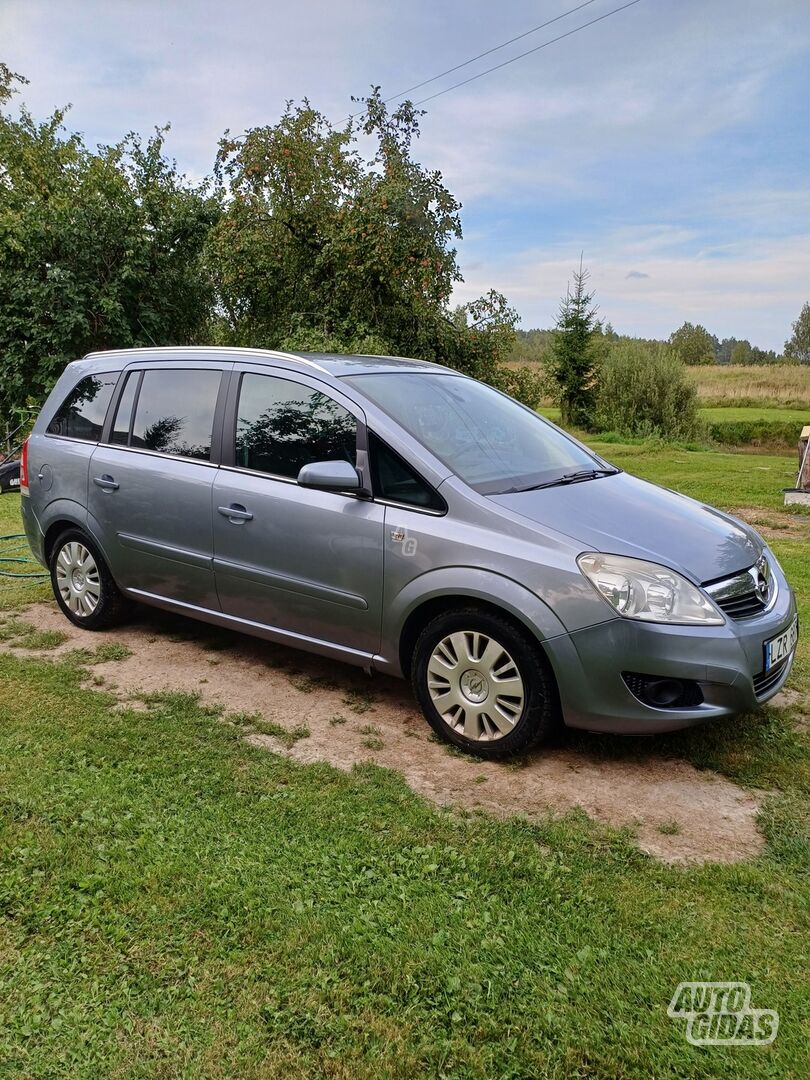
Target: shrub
(644,391)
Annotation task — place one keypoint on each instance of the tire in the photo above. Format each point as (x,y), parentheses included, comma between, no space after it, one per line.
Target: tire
(82,583)
(459,660)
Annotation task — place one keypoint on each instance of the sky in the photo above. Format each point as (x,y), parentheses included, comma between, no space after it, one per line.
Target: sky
(669,143)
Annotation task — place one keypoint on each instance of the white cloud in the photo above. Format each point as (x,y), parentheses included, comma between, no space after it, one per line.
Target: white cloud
(754,290)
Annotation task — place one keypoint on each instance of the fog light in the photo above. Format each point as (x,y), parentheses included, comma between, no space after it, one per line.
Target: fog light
(663,692)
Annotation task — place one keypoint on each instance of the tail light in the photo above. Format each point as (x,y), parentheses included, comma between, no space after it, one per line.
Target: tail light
(24,468)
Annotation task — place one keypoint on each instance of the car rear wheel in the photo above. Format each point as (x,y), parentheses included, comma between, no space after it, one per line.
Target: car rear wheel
(483,684)
(82,583)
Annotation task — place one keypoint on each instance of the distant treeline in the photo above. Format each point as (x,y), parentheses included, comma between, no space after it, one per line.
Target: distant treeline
(694,343)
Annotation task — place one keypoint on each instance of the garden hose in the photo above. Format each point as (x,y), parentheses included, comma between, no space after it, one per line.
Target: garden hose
(18,553)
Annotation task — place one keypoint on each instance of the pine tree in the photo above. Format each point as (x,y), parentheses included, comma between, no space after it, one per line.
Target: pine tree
(572,363)
(797,348)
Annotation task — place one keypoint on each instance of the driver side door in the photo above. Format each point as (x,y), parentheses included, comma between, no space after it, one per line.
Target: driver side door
(304,563)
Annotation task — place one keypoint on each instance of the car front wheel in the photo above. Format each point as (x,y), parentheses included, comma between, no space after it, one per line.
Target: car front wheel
(483,684)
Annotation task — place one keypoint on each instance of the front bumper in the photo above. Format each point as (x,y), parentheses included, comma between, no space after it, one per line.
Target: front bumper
(723,660)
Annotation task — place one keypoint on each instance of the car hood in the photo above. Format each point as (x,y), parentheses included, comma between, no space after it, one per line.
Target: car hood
(622,515)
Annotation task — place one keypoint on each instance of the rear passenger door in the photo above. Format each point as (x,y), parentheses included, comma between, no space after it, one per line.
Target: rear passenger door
(151,479)
(306,562)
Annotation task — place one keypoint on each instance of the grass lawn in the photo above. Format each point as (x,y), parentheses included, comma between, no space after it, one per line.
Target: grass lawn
(174,902)
(724,413)
(727,480)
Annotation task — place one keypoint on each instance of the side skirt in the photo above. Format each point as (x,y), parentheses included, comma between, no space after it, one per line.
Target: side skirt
(247,626)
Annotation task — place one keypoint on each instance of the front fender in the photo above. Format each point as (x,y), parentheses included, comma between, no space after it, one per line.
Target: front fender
(471,583)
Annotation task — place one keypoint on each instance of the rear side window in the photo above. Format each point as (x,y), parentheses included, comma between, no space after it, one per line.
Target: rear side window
(174,413)
(395,480)
(123,414)
(283,425)
(81,415)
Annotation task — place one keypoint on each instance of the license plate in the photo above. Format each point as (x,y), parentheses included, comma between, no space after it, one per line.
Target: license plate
(779,648)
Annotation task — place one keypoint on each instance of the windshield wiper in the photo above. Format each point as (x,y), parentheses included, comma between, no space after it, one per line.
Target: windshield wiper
(573,478)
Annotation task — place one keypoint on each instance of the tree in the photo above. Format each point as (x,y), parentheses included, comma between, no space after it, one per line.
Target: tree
(742,353)
(321,248)
(797,347)
(98,249)
(694,344)
(299,241)
(764,356)
(7,80)
(572,360)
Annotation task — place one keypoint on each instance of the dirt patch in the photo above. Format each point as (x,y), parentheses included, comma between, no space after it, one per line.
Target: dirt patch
(788,698)
(773,524)
(324,711)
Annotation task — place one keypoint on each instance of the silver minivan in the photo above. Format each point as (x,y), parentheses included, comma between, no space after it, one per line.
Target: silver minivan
(402,517)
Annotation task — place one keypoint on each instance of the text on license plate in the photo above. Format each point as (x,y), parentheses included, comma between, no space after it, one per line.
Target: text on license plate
(779,648)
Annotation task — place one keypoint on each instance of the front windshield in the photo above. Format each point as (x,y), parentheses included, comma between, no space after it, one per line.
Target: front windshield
(486,438)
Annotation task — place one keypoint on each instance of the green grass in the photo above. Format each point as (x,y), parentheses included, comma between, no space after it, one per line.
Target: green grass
(175,902)
(22,635)
(723,479)
(799,417)
(17,592)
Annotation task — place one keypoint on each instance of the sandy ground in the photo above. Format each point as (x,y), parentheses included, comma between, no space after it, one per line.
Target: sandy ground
(677,813)
(775,524)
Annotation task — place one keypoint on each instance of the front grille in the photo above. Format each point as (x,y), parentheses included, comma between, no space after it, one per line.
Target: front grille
(766,680)
(746,594)
(743,606)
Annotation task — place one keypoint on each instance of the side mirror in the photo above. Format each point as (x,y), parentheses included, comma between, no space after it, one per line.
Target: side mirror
(330,476)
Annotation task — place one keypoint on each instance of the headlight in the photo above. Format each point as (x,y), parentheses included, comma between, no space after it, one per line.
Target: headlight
(643,590)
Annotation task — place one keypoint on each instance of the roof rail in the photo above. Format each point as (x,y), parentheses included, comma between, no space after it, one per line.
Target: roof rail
(294,357)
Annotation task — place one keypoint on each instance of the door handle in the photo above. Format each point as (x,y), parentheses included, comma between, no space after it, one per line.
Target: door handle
(235,512)
(105,481)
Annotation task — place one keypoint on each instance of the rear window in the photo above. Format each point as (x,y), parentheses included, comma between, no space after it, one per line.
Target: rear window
(81,414)
(123,414)
(174,412)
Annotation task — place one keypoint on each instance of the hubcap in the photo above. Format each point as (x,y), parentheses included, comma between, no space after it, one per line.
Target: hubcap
(77,579)
(475,686)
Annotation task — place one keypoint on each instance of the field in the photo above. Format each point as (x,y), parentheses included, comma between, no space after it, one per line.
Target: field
(177,902)
(769,386)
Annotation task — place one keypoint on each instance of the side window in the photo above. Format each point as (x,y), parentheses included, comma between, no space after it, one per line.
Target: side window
(123,414)
(283,425)
(394,479)
(174,413)
(82,413)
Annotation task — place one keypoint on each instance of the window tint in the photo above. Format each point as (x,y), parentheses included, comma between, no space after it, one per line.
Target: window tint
(175,412)
(83,410)
(123,414)
(282,426)
(395,480)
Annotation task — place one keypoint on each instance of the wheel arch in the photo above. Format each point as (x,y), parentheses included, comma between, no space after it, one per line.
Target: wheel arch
(62,520)
(483,590)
